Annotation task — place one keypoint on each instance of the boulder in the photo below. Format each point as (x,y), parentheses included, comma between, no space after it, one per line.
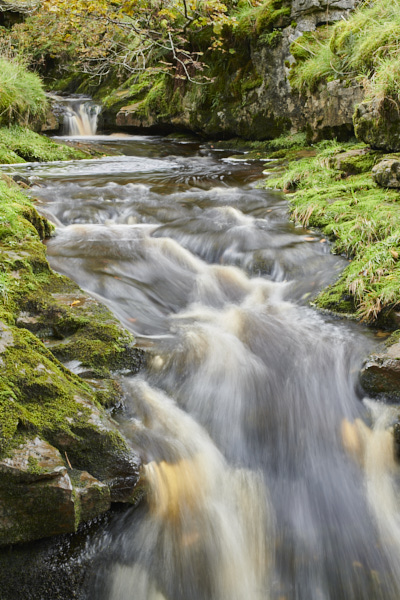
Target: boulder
(380,374)
(39,497)
(62,458)
(387,173)
(377,123)
(358,160)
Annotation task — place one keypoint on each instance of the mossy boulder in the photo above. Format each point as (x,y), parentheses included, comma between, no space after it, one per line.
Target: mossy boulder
(355,161)
(377,123)
(387,173)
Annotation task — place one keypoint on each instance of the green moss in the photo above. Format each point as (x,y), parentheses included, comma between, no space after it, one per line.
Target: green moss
(34,467)
(19,144)
(363,221)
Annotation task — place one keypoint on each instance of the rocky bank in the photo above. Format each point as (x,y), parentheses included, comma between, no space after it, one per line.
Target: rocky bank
(62,459)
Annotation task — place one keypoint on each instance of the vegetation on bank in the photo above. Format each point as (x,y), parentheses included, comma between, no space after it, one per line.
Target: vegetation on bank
(159,57)
(334,192)
(20,144)
(364,48)
(22,96)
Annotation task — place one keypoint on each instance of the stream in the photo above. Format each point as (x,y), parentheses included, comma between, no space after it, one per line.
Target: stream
(270,475)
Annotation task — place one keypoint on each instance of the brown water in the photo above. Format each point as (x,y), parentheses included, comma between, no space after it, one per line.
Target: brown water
(269,476)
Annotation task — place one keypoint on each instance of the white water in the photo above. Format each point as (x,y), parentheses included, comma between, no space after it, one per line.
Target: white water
(80,117)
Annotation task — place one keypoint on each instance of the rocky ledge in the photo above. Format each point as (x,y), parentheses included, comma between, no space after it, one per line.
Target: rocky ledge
(63,460)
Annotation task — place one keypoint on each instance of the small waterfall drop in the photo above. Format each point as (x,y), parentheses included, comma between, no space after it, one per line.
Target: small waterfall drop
(80,116)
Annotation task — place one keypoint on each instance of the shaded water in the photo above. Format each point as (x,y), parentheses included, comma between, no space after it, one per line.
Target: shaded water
(267,475)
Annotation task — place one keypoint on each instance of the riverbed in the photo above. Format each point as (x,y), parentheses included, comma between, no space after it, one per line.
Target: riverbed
(269,474)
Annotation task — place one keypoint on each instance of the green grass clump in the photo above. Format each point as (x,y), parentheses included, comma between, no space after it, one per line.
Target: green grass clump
(254,20)
(362,219)
(22,97)
(365,49)
(19,144)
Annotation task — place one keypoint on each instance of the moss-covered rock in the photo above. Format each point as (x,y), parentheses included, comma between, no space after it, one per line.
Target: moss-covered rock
(355,161)
(40,498)
(377,123)
(387,173)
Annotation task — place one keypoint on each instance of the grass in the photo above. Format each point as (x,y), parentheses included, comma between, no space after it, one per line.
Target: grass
(19,144)
(364,48)
(22,97)
(362,220)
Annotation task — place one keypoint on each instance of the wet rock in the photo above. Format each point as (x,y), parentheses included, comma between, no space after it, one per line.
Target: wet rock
(77,464)
(93,496)
(95,445)
(381,372)
(387,173)
(38,498)
(377,123)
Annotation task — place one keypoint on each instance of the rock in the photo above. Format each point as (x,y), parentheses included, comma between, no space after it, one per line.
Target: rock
(359,160)
(387,173)
(377,123)
(93,496)
(322,11)
(380,374)
(266,105)
(53,122)
(95,445)
(38,498)
(39,397)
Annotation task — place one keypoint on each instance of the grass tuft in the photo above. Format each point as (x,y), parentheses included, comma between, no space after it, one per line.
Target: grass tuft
(22,97)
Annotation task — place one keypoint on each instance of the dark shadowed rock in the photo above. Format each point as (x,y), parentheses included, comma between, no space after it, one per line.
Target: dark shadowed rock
(378,123)
(381,372)
(38,498)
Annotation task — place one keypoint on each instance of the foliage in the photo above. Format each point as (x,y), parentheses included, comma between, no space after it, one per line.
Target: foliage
(362,219)
(122,35)
(364,48)
(22,97)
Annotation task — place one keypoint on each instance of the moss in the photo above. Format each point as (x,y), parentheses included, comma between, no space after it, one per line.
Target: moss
(271,39)
(361,219)
(34,467)
(19,144)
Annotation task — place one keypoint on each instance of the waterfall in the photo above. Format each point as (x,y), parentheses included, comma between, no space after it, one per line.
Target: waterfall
(80,116)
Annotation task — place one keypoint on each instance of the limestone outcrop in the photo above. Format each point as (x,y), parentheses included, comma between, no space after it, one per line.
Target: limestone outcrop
(264,105)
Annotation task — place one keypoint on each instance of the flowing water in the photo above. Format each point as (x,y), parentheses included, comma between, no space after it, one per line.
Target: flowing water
(79,115)
(268,475)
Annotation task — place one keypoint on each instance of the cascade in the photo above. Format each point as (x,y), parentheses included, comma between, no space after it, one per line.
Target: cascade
(268,476)
(79,115)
